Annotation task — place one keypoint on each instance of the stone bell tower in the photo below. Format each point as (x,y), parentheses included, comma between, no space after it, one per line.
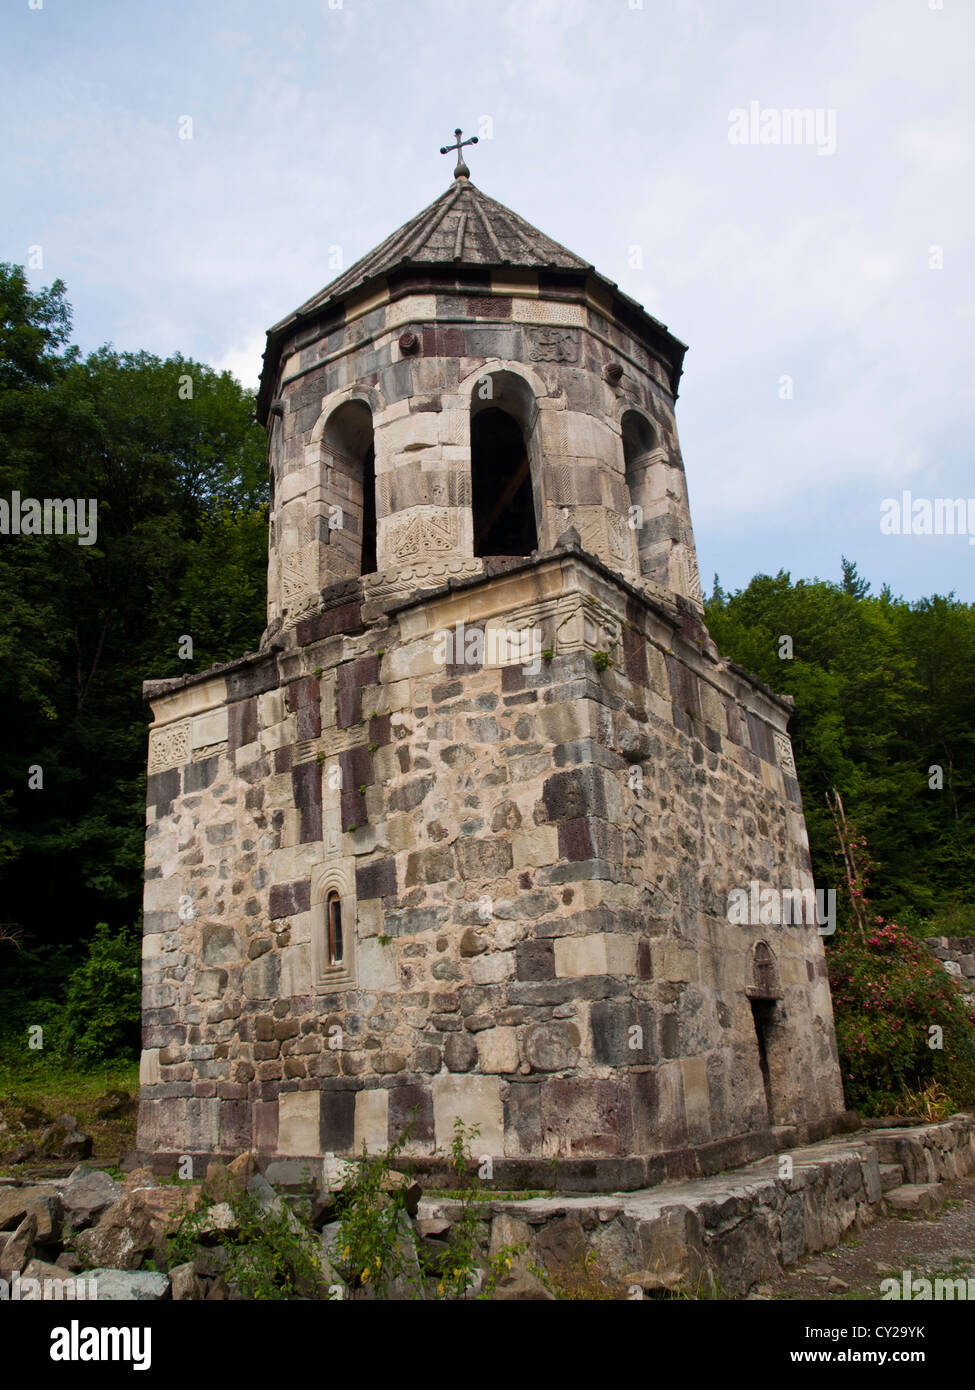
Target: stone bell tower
(458,840)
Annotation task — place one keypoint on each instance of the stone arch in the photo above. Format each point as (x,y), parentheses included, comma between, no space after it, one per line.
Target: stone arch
(368,395)
(506,491)
(328,881)
(495,366)
(644,461)
(348,489)
(765,974)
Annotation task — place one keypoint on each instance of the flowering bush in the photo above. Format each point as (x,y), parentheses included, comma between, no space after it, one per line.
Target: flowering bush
(890,998)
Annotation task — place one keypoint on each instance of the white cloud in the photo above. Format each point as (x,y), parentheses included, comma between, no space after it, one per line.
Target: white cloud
(244,360)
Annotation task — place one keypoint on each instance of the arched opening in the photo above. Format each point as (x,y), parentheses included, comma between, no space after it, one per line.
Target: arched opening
(502,486)
(639,440)
(640,452)
(762,1010)
(333,922)
(764,996)
(350,490)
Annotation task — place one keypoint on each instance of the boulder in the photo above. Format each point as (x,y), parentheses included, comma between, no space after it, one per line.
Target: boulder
(19,1248)
(86,1194)
(410,1189)
(922,1198)
(37,1269)
(16,1202)
(115,1105)
(186,1283)
(330,1273)
(139,1222)
(65,1139)
(32,1118)
(139,1177)
(48,1213)
(269,1201)
(519,1285)
(217,1221)
(123,1285)
(225,1181)
(210,1261)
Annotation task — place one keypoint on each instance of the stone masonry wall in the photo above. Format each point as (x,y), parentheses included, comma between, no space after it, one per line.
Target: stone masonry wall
(418,361)
(537,940)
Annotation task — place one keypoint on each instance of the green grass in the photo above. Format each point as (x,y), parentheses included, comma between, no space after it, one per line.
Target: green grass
(33,1081)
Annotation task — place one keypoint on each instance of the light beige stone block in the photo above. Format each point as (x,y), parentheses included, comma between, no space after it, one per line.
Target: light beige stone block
(371,1120)
(278,735)
(680,962)
(162,894)
(211,728)
(296,970)
(535,845)
(492,969)
(411,309)
(473,1099)
(697,1102)
(375,963)
(298,1123)
(497,1050)
(248,753)
(150,1072)
(601,953)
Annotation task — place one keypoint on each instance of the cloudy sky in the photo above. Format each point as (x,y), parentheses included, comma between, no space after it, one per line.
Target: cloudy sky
(825,288)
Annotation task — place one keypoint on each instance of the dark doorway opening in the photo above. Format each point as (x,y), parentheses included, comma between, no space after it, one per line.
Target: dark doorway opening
(763,1011)
(348,452)
(501,487)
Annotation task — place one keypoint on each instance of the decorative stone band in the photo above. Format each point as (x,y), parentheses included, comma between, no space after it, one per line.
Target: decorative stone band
(170,746)
(783,752)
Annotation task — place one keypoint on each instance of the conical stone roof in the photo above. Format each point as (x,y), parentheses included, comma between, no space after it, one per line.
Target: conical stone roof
(463,227)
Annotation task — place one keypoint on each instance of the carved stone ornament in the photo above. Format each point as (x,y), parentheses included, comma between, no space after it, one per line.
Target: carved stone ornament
(424,535)
(553,344)
(690,573)
(169,746)
(783,752)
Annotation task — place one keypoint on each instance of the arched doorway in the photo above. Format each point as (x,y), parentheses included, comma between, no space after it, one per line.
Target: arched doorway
(503,494)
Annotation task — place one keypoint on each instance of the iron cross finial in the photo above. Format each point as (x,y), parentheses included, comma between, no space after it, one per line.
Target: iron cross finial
(461,171)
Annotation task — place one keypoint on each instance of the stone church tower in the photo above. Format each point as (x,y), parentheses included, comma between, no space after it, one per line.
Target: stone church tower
(459,839)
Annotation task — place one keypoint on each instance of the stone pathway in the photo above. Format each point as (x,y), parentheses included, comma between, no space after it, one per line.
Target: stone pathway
(927,1246)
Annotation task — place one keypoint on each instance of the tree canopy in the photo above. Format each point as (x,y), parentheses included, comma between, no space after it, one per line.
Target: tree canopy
(171,453)
(884,713)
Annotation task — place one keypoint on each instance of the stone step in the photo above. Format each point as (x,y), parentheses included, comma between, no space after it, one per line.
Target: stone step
(891,1175)
(918,1198)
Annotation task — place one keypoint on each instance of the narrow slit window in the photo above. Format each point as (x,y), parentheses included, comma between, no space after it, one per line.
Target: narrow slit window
(334,907)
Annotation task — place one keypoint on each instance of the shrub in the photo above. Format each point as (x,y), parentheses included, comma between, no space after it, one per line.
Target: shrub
(374,1244)
(888,993)
(102,1016)
(270,1254)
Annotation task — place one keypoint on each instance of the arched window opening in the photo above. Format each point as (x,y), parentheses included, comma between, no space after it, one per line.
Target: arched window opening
(350,489)
(641,454)
(639,440)
(333,910)
(503,500)
(763,972)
